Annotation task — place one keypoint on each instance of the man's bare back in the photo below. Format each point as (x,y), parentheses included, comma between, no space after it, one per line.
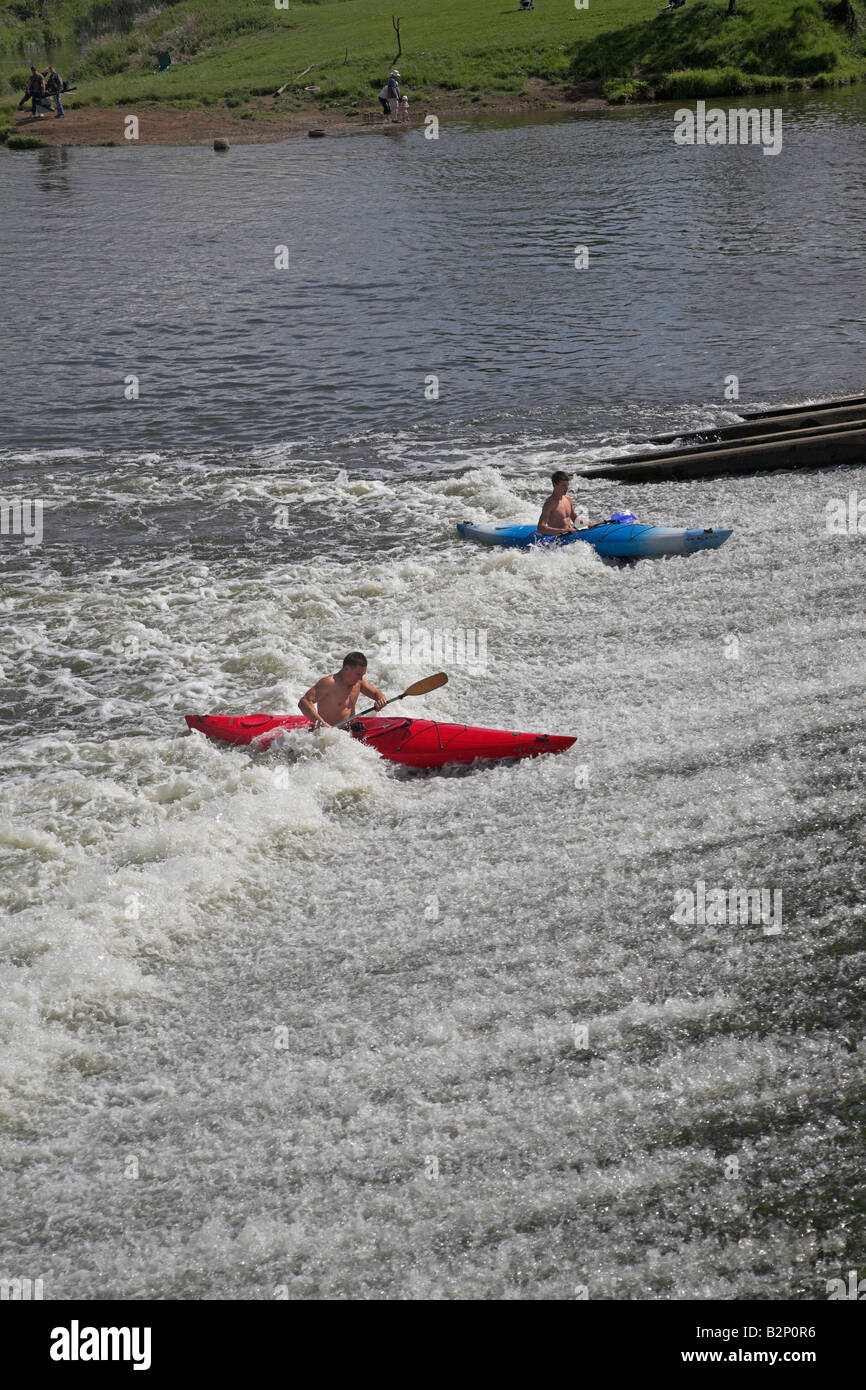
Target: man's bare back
(333,698)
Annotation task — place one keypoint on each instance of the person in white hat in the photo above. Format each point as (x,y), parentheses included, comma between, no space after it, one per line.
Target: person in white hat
(393,90)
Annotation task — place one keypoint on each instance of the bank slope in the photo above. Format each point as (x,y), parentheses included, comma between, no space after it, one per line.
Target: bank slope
(336,53)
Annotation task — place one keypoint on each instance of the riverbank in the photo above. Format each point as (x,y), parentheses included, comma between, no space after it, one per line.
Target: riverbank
(269,119)
(227,62)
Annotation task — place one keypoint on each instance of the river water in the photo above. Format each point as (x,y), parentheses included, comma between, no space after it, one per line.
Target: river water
(310,1026)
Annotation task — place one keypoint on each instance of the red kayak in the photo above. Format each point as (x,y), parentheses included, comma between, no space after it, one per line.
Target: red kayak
(413,742)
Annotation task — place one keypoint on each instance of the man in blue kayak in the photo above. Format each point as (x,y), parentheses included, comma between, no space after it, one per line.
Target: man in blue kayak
(558,516)
(333,698)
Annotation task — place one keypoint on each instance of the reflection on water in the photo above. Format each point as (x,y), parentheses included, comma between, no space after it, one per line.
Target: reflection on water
(413,257)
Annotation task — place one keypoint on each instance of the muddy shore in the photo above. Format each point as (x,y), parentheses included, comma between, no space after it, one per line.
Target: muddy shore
(269,119)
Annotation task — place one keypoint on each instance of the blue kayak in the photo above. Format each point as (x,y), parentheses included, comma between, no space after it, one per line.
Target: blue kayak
(626,540)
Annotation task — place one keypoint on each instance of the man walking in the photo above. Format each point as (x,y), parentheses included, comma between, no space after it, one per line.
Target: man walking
(35,91)
(54,87)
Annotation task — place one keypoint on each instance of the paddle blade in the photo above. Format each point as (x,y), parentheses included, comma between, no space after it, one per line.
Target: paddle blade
(428,683)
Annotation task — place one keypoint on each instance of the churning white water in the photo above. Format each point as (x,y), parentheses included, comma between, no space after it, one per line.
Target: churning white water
(308,1022)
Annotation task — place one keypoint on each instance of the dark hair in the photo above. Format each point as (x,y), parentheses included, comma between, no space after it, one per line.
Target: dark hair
(559,477)
(355,659)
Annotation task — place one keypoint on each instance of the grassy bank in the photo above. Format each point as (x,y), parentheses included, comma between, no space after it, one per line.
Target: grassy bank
(337,53)
(700,51)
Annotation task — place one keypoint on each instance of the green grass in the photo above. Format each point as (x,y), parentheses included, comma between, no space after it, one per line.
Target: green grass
(24,142)
(231,50)
(716,82)
(765,39)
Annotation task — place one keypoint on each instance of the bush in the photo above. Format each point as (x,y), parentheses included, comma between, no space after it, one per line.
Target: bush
(703,82)
(718,82)
(108,59)
(823,61)
(618,90)
(761,83)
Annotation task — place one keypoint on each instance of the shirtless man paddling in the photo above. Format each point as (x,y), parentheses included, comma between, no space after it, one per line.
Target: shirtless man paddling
(558,516)
(333,698)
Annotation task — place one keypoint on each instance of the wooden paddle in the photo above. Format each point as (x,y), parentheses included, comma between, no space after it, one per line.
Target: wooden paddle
(419,688)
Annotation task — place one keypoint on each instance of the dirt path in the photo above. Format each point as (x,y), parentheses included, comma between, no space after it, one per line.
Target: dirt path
(266,120)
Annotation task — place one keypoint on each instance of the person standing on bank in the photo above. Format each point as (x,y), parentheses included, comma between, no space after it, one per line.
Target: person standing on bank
(393,90)
(54,87)
(35,91)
